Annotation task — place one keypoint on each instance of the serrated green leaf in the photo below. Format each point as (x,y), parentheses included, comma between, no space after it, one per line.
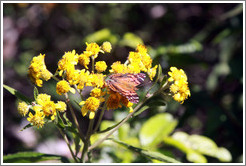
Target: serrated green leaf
(146,153)
(18,94)
(31,157)
(35,92)
(157,127)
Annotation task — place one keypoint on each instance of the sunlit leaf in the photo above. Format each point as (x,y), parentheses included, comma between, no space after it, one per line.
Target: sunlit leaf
(31,157)
(146,153)
(131,40)
(154,129)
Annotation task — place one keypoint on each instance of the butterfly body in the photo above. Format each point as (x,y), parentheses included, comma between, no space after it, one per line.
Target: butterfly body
(126,84)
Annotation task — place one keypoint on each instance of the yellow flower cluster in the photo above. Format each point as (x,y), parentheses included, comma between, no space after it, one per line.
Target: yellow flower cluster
(73,76)
(44,107)
(37,70)
(115,100)
(138,61)
(179,88)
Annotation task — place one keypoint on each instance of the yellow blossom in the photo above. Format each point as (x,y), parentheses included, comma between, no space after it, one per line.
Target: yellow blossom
(91,104)
(49,108)
(84,59)
(93,49)
(43,98)
(23,108)
(37,70)
(117,67)
(97,92)
(37,119)
(141,49)
(69,59)
(152,72)
(63,87)
(83,78)
(179,88)
(61,106)
(106,46)
(96,80)
(113,101)
(72,75)
(100,66)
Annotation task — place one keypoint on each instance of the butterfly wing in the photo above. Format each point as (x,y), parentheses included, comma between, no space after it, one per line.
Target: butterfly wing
(126,85)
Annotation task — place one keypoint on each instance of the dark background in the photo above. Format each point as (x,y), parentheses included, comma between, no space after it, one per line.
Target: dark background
(214,64)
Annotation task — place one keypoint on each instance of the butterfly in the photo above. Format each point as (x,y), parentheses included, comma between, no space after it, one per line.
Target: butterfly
(126,84)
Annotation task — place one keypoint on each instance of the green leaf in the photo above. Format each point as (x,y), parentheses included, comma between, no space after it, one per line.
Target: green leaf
(26,127)
(131,40)
(18,94)
(196,145)
(142,109)
(195,157)
(31,157)
(149,154)
(101,36)
(158,126)
(35,92)
(223,155)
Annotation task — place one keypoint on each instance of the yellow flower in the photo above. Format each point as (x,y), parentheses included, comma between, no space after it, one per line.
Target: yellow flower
(117,67)
(101,66)
(97,92)
(84,59)
(43,98)
(127,103)
(106,46)
(61,106)
(141,49)
(23,108)
(64,87)
(37,119)
(179,88)
(176,75)
(83,78)
(134,57)
(96,80)
(91,104)
(113,101)
(146,61)
(72,75)
(152,72)
(69,59)
(93,49)
(49,108)
(37,70)
(133,68)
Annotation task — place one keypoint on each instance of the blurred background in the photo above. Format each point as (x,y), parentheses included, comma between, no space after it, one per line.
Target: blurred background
(205,40)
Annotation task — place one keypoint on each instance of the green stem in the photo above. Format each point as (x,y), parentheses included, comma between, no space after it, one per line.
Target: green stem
(119,125)
(128,116)
(87,141)
(67,142)
(93,66)
(74,118)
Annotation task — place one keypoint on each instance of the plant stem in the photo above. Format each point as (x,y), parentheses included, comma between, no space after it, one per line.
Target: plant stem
(87,141)
(93,61)
(119,125)
(67,142)
(74,118)
(128,116)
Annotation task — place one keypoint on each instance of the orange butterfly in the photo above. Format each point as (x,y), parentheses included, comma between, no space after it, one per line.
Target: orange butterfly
(126,84)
